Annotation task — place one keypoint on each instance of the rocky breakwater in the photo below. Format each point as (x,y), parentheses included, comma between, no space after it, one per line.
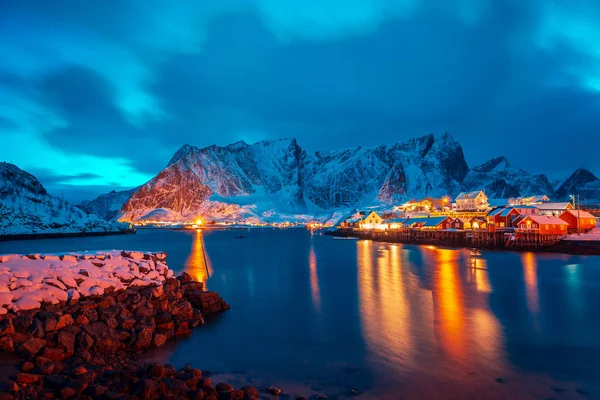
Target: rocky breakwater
(78,322)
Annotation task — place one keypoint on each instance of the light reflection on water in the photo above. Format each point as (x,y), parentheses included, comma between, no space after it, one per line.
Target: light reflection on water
(389,320)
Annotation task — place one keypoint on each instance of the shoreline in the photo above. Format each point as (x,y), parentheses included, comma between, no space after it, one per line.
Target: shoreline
(573,247)
(59,235)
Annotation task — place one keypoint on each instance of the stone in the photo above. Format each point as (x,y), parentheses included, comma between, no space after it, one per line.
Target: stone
(184,277)
(80,370)
(274,391)
(66,341)
(155,371)
(27,366)
(6,396)
(159,339)
(251,391)
(82,320)
(112,323)
(236,395)
(150,389)
(126,322)
(54,354)
(31,347)
(144,309)
(7,327)
(24,377)
(67,392)
(176,385)
(144,338)
(84,342)
(64,321)
(182,329)
(36,328)
(198,395)
(166,326)
(47,369)
(7,344)
(224,387)
(105,339)
(205,382)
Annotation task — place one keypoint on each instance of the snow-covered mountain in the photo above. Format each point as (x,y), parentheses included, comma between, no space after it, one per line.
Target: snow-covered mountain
(277,179)
(582,182)
(108,205)
(26,207)
(500,180)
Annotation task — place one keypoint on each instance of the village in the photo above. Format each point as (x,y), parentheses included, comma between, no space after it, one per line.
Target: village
(474,220)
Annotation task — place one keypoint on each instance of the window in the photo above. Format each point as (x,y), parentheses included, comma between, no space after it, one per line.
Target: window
(501,224)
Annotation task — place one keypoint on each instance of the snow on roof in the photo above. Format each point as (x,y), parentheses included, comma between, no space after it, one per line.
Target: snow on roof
(505,212)
(496,211)
(580,214)
(431,221)
(468,195)
(523,206)
(553,206)
(545,219)
(396,220)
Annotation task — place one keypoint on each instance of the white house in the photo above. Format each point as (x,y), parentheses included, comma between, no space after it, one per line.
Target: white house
(371,221)
(472,201)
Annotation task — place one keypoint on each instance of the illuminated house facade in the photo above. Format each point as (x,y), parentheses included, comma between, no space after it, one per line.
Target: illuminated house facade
(372,220)
(586,220)
(472,201)
(542,224)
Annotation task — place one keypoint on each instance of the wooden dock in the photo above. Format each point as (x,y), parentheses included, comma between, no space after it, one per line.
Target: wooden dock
(503,240)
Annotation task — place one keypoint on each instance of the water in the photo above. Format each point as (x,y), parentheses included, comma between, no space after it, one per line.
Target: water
(315,315)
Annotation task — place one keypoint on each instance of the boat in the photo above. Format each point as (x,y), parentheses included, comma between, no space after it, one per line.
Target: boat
(475,252)
(344,238)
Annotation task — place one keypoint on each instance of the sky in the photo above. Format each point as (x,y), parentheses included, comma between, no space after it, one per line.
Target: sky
(97,95)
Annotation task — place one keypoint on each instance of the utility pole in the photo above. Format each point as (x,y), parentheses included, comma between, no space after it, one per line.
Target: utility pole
(578,213)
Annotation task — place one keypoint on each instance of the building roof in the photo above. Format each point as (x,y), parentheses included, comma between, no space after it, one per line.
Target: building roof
(517,206)
(463,220)
(396,220)
(468,195)
(553,206)
(580,214)
(545,219)
(431,221)
(506,212)
(495,211)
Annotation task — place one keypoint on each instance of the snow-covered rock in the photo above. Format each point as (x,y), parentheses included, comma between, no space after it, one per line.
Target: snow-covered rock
(500,180)
(26,207)
(108,205)
(30,280)
(582,182)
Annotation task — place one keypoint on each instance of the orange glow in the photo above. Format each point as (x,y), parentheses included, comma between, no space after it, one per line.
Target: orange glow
(479,275)
(314,280)
(198,264)
(448,299)
(384,307)
(531,288)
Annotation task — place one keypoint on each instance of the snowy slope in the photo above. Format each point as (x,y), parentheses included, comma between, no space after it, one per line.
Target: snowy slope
(501,180)
(582,182)
(26,207)
(108,205)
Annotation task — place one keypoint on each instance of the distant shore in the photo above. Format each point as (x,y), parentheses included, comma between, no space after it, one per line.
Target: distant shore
(575,247)
(58,235)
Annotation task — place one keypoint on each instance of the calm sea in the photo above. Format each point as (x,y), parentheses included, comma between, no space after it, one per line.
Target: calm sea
(315,315)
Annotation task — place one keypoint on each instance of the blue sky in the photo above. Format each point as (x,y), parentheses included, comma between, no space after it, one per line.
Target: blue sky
(97,95)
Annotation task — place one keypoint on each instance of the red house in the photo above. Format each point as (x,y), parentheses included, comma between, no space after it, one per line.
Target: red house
(502,218)
(542,224)
(586,220)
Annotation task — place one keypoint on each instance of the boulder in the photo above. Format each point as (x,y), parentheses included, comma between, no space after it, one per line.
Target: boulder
(105,339)
(66,341)
(31,347)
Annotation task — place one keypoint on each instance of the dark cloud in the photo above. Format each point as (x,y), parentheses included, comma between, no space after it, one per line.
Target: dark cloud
(510,78)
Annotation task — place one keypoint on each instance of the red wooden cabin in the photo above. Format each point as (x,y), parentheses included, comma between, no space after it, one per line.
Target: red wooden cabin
(586,220)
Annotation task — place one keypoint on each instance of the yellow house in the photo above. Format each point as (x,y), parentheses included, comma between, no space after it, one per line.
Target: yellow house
(371,221)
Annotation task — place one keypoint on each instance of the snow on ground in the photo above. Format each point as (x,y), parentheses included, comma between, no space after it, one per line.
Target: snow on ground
(594,234)
(27,281)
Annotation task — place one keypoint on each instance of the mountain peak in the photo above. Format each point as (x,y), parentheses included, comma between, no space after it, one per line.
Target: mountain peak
(183,152)
(576,182)
(495,164)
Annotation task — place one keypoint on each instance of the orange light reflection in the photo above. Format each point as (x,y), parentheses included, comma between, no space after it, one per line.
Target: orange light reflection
(198,264)
(531,287)
(314,280)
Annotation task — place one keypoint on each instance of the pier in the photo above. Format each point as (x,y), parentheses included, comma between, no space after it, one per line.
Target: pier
(517,241)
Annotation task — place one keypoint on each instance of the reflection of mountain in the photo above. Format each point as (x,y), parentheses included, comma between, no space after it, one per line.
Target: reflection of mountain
(198,264)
